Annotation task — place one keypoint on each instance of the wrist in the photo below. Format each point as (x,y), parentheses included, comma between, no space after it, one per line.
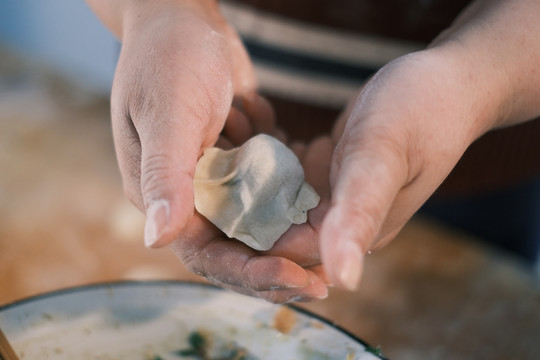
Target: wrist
(497,42)
(482,91)
(122,15)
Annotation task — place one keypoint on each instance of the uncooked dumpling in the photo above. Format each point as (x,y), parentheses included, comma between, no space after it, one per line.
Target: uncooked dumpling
(253,193)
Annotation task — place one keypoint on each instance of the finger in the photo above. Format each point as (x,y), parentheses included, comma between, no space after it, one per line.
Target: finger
(159,185)
(205,251)
(298,244)
(244,74)
(321,273)
(280,135)
(316,163)
(369,172)
(128,154)
(237,128)
(299,149)
(224,143)
(157,175)
(301,242)
(315,290)
(260,112)
(339,125)
(176,97)
(169,153)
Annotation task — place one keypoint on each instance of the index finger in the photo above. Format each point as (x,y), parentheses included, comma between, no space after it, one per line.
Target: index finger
(205,251)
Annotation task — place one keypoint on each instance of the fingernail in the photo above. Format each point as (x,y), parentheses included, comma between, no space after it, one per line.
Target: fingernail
(302,298)
(286,287)
(350,265)
(157,221)
(308,298)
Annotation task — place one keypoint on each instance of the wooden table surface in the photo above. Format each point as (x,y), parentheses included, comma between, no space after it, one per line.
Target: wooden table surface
(434,293)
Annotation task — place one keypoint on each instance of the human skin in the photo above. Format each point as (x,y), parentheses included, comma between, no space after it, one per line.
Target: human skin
(183,77)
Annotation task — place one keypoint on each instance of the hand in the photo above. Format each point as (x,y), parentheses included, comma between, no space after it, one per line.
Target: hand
(415,118)
(404,133)
(180,68)
(182,79)
(291,270)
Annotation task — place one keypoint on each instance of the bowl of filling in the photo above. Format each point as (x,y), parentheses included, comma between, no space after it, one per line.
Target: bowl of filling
(170,320)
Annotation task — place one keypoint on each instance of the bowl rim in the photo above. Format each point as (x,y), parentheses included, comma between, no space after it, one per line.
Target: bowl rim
(170,282)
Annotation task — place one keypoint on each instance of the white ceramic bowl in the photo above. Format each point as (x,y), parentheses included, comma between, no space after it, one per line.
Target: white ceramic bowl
(161,319)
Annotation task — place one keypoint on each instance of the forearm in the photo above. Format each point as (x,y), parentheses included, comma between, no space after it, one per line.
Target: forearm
(498,42)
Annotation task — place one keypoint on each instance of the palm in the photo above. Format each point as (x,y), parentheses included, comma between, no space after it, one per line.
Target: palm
(291,270)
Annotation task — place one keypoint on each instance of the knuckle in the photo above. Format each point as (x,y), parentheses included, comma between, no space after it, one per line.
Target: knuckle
(366,226)
(190,257)
(192,261)
(155,174)
(134,196)
(193,256)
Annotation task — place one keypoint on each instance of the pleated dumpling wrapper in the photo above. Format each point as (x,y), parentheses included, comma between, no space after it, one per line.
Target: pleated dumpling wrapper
(253,193)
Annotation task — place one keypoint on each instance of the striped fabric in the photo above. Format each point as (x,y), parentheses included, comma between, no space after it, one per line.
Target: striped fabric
(311,56)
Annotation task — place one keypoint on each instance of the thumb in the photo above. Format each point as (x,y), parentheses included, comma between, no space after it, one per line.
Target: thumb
(157,160)
(167,169)
(168,133)
(367,175)
(172,92)
(171,141)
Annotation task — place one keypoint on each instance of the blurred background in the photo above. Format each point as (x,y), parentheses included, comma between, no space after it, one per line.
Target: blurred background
(63,36)
(63,217)
(442,290)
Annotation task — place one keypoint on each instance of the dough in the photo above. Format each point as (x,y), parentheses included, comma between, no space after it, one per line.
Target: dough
(253,193)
